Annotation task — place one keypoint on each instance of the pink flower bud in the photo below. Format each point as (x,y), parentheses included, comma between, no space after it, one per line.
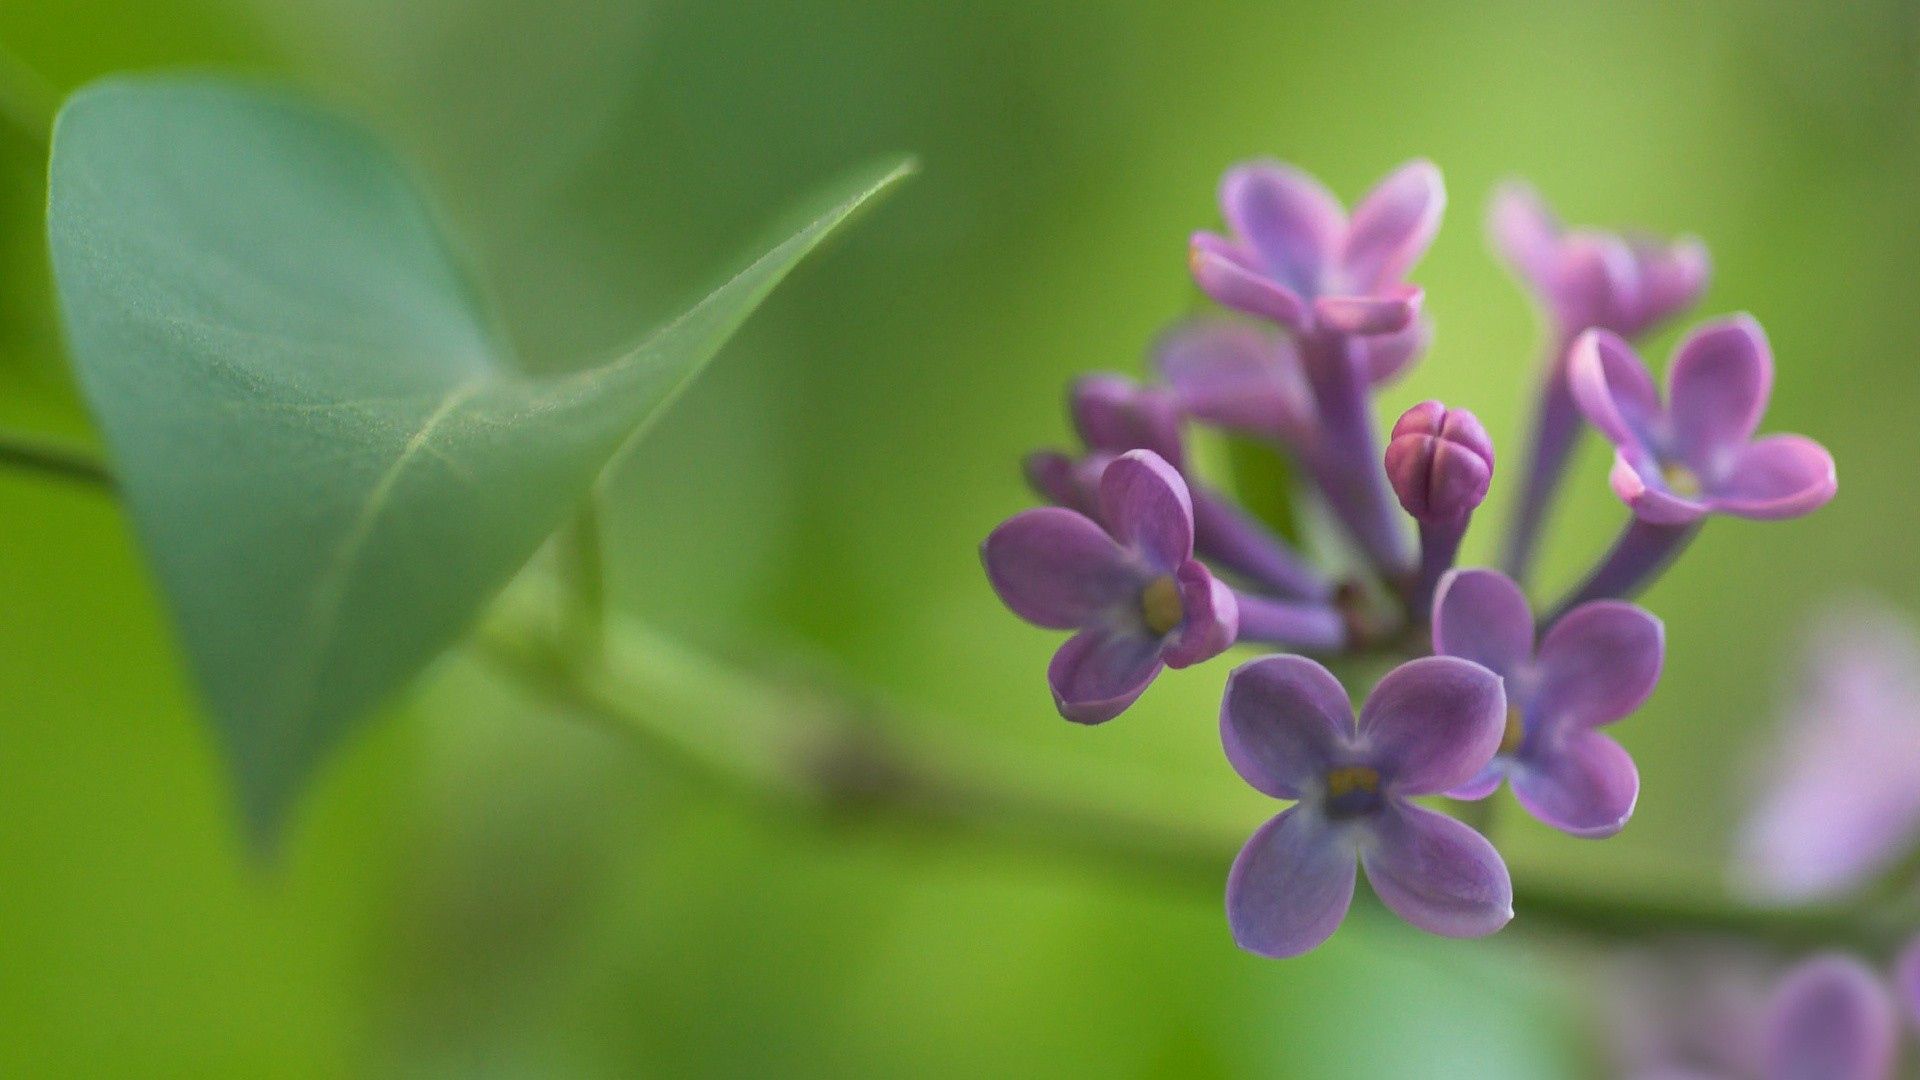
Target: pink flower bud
(1440,462)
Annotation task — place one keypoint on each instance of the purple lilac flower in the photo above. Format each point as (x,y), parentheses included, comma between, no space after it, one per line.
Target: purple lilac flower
(1240,376)
(1295,258)
(1830,1019)
(1696,455)
(1686,1010)
(1440,463)
(1597,664)
(1840,803)
(1293,255)
(1289,730)
(1583,278)
(1587,278)
(1674,464)
(1131,588)
(1115,414)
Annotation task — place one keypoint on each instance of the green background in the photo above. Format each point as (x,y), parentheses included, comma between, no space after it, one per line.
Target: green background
(482,888)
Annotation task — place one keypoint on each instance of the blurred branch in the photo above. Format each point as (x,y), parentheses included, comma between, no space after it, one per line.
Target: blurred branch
(799,748)
(62,462)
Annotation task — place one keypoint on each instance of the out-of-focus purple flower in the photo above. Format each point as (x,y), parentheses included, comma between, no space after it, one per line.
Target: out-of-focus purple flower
(1588,278)
(1289,730)
(1440,462)
(1597,664)
(1131,588)
(1696,455)
(1293,255)
(1238,375)
(1830,1019)
(1840,802)
(1115,414)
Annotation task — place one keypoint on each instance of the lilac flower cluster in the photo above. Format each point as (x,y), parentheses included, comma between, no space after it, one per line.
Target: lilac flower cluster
(1151,568)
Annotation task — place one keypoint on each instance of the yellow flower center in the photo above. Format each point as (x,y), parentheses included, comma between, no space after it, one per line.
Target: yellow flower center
(1516,732)
(1681,481)
(1352,791)
(1351,778)
(1160,604)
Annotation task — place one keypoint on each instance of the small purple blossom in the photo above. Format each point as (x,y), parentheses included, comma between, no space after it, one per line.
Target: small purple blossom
(1131,588)
(1840,803)
(1238,375)
(1440,462)
(1830,1019)
(1587,278)
(1289,731)
(1294,256)
(1596,665)
(1696,455)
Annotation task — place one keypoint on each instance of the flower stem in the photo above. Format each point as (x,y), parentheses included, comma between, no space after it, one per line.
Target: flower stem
(1636,559)
(801,747)
(586,576)
(1556,426)
(1289,624)
(1345,459)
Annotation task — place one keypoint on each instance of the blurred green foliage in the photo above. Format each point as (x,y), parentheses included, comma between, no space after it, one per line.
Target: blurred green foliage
(481,888)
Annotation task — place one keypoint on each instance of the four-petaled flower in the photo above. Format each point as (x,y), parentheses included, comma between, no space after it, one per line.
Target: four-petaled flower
(1696,455)
(1597,664)
(1289,730)
(1131,587)
(1295,257)
(1587,278)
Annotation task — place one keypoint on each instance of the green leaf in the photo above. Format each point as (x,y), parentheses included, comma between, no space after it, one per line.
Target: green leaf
(327,452)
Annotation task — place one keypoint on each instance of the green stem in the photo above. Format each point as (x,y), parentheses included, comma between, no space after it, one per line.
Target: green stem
(800,748)
(53,459)
(586,574)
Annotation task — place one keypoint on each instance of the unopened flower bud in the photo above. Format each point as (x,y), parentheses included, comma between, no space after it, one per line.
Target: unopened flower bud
(1440,462)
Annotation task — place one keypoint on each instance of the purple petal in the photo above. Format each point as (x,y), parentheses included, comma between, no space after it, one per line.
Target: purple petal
(1389,355)
(1437,873)
(1432,723)
(1290,886)
(1063,481)
(1368,316)
(1057,568)
(1585,784)
(1830,1020)
(1613,387)
(1636,479)
(1717,388)
(1526,233)
(1098,673)
(1146,504)
(1672,278)
(1236,374)
(1287,216)
(1597,284)
(1224,272)
(1115,414)
(1482,616)
(1209,617)
(1780,476)
(1599,663)
(1483,784)
(1393,225)
(1283,721)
